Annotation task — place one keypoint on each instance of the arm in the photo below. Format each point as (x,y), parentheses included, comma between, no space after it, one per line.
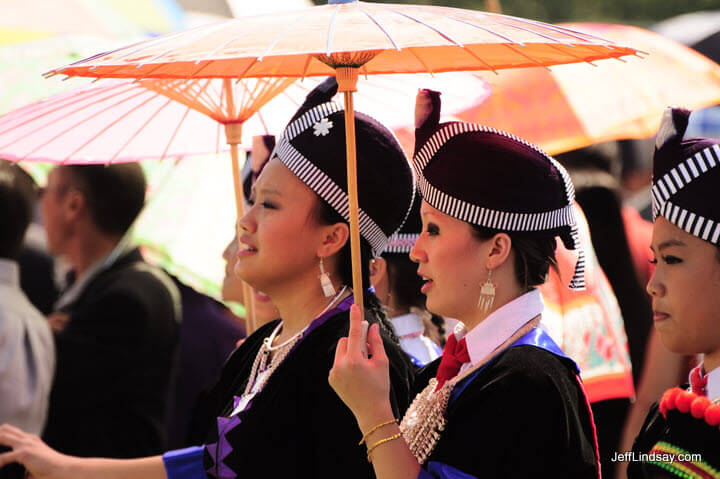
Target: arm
(45,463)
(364,386)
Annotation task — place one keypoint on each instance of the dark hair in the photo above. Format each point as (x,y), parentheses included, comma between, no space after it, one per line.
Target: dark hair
(374,312)
(17,200)
(533,255)
(115,194)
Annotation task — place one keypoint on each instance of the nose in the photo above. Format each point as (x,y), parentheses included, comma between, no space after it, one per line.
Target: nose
(655,287)
(417,253)
(247,222)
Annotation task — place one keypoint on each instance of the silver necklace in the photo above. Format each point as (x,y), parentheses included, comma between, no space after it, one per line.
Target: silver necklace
(425,419)
(261,370)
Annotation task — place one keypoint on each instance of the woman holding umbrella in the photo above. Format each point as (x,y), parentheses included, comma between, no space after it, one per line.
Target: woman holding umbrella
(278,415)
(504,400)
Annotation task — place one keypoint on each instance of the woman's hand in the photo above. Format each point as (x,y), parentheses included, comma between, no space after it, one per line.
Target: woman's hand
(39,459)
(363,383)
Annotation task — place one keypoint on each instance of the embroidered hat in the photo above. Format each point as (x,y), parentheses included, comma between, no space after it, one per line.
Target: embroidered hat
(686,178)
(403,240)
(492,179)
(313,148)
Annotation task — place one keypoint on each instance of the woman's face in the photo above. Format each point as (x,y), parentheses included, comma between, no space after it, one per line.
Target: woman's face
(279,236)
(685,290)
(450,259)
(265,310)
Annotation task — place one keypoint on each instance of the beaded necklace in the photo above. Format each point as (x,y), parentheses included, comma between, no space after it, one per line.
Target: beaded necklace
(261,370)
(425,420)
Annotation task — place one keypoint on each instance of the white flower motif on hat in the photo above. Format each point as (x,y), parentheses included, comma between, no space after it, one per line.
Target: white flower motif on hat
(322,127)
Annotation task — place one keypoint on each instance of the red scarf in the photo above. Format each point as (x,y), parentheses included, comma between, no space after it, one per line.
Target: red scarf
(455,354)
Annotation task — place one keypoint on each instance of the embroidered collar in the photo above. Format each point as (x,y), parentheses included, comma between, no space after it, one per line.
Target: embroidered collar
(500,325)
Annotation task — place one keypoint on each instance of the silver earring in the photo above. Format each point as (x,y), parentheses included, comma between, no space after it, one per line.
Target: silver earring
(487,294)
(327,286)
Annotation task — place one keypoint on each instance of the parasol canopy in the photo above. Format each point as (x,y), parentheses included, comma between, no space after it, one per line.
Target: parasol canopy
(378,38)
(346,38)
(572,106)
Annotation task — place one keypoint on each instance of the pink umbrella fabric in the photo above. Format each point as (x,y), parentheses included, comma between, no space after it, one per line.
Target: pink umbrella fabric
(120,121)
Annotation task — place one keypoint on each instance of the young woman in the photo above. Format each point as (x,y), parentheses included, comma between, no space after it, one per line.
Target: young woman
(278,415)
(397,286)
(680,437)
(505,401)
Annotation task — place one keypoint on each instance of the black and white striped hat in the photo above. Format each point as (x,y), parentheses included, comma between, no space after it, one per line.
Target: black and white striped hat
(313,148)
(686,178)
(495,180)
(403,240)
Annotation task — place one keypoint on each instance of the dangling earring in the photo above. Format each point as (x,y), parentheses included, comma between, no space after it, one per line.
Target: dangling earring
(327,286)
(487,294)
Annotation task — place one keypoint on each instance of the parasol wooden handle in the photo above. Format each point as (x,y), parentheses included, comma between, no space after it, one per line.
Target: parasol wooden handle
(233,134)
(347,83)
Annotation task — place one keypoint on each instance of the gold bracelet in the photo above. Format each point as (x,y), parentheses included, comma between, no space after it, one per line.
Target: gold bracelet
(375,429)
(380,443)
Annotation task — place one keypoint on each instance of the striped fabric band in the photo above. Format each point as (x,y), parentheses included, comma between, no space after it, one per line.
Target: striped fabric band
(681,464)
(496,219)
(401,243)
(704,228)
(683,174)
(317,180)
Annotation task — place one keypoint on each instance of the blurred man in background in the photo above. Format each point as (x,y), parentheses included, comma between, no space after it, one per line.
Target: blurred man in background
(117,323)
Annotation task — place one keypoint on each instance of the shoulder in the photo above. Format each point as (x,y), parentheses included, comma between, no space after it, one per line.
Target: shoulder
(530,363)
(135,284)
(521,374)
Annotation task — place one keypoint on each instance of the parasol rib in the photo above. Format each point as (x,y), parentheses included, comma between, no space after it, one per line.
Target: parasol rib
(382,28)
(159,40)
(61,103)
(526,56)
(137,132)
(541,35)
(307,66)
(427,25)
(147,74)
(68,114)
(485,29)
(284,32)
(208,56)
(175,132)
(479,58)
(577,57)
(110,125)
(331,30)
(566,31)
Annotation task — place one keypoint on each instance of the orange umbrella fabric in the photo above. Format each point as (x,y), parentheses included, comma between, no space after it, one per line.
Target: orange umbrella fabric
(346,38)
(572,106)
(376,37)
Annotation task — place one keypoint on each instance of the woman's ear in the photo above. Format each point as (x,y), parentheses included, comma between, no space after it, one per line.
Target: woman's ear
(378,271)
(334,237)
(498,250)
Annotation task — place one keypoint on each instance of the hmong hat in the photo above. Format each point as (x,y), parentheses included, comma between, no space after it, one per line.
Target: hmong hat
(492,179)
(403,240)
(313,148)
(686,178)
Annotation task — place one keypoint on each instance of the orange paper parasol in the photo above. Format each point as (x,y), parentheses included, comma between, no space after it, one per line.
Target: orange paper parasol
(577,105)
(347,38)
